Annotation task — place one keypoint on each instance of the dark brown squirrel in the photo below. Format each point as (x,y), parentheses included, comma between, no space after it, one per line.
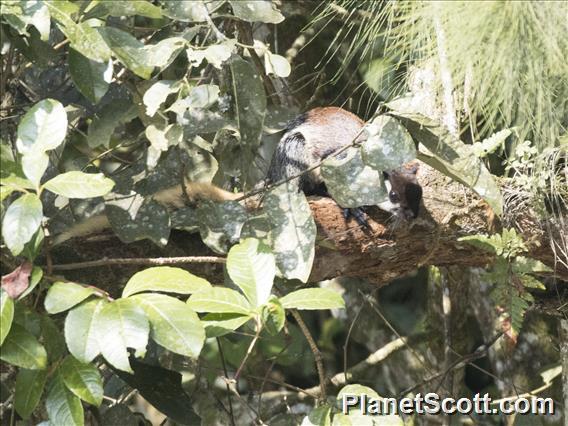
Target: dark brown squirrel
(318,133)
(307,140)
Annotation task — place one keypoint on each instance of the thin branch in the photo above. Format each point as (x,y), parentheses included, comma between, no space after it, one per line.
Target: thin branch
(139,261)
(315,350)
(362,367)
(222,356)
(459,363)
(249,350)
(346,344)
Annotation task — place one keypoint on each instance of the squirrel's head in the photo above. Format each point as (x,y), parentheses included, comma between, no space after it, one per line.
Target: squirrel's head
(404,192)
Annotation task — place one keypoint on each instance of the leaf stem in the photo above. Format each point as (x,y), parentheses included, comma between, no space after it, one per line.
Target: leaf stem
(249,350)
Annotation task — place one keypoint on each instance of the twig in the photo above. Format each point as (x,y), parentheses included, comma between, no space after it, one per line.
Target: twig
(249,350)
(231,413)
(315,350)
(346,344)
(459,363)
(362,367)
(139,261)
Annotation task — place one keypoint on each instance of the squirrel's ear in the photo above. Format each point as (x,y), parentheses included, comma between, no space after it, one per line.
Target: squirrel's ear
(386,175)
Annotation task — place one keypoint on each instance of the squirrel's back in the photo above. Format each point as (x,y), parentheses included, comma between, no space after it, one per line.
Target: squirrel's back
(308,139)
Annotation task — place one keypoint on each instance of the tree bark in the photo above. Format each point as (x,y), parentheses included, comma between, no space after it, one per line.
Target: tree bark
(380,253)
(449,211)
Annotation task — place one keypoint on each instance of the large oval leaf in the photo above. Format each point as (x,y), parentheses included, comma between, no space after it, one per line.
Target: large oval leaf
(83,380)
(34,165)
(219,324)
(80,185)
(22,349)
(122,324)
(166,279)
(313,298)
(42,128)
(293,231)
(21,221)
(63,295)
(174,324)
(252,11)
(219,299)
(29,387)
(351,182)
(92,78)
(388,145)
(63,407)
(252,267)
(81,330)
(129,50)
(6,314)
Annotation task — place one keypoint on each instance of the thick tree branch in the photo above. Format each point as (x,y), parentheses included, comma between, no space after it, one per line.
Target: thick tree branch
(449,211)
(382,252)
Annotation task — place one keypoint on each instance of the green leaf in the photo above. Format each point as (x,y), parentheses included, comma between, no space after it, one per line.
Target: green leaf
(531,282)
(480,241)
(103,125)
(35,278)
(77,184)
(320,416)
(22,349)
(273,316)
(250,102)
(156,95)
(194,11)
(164,52)
(64,295)
(28,13)
(491,144)
(161,139)
(81,330)
(351,182)
(42,128)
(214,54)
(357,389)
(21,221)
(313,298)
(6,314)
(256,11)
(63,407)
(52,338)
(128,50)
(34,165)
(277,65)
(220,223)
(166,279)
(83,380)
(122,324)
(130,8)
(83,37)
(133,222)
(92,78)
(293,231)
(202,96)
(175,326)
(526,265)
(252,267)
(219,324)
(388,145)
(220,300)
(29,388)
